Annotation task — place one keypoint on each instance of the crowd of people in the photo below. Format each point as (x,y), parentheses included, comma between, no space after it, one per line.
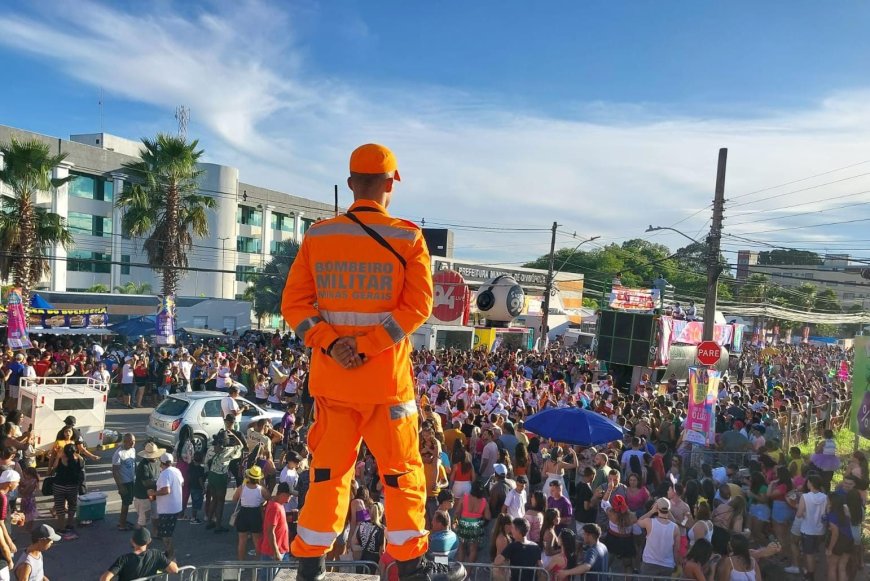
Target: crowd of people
(497,495)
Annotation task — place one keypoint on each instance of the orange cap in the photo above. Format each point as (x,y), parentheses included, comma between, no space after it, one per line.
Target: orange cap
(374,158)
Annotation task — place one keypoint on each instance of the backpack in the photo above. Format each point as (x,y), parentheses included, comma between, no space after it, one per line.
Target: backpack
(534,472)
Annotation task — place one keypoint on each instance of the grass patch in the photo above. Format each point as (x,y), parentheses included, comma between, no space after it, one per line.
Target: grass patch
(845,440)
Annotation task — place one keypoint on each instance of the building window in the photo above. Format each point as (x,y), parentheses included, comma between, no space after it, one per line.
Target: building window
(848,296)
(282,222)
(92,187)
(306,224)
(249,216)
(86,261)
(245,272)
(200,322)
(125,264)
(89,224)
(248,244)
(808,275)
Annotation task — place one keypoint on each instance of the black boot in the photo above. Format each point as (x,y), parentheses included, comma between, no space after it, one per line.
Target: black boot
(422,569)
(311,569)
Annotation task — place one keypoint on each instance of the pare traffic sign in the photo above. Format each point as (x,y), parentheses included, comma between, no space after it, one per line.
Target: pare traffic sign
(709,353)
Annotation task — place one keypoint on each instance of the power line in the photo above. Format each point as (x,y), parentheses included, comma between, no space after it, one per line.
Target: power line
(800,180)
(797,191)
(799,214)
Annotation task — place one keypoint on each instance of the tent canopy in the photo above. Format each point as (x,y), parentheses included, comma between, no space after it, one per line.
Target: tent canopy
(144,325)
(202,332)
(37,302)
(70,331)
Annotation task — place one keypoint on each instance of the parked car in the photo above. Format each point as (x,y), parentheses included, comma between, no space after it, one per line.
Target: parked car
(197,415)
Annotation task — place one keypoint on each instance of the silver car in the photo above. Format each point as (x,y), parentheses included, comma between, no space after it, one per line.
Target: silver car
(197,415)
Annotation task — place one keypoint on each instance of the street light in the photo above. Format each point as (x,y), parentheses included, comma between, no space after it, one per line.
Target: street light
(657,228)
(572,254)
(713,270)
(548,287)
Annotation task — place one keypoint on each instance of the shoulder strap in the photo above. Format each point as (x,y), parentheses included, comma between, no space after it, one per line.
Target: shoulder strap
(378,238)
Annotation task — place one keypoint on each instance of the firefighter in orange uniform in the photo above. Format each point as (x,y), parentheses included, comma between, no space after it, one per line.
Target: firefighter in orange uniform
(359,286)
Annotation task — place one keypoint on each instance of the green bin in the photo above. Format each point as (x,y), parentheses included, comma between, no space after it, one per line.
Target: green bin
(92,506)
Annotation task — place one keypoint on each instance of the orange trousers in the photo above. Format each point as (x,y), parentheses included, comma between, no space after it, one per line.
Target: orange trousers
(390,432)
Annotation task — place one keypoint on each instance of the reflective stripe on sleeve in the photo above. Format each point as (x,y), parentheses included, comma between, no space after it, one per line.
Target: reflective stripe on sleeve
(393,329)
(306,325)
(355,230)
(354,319)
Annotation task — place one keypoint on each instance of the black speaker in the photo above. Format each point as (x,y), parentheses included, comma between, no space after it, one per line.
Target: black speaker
(626,338)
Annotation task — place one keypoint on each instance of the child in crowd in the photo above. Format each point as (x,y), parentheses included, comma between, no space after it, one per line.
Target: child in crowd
(196,477)
(27,495)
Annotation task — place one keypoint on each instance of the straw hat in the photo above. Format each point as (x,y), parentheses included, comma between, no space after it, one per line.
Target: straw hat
(151,451)
(254,473)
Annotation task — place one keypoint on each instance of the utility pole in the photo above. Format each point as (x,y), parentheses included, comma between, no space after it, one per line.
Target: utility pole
(714,239)
(548,288)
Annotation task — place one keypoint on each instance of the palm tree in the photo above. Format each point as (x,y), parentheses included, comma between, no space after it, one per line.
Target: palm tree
(163,204)
(134,288)
(98,288)
(268,286)
(27,232)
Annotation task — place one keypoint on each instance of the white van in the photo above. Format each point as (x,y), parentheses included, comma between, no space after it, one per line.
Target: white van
(45,402)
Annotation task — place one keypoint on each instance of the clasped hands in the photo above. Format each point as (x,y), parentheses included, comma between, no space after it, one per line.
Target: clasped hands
(345,353)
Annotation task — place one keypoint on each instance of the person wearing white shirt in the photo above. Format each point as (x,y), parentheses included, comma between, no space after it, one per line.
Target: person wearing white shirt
(101,374)
(290,475)
(515,501)
(168,496)
(128,385)
(185,366)
(457,382)
(230,407)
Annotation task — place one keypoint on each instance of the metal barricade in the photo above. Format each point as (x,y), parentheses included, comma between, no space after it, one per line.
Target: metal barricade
(182,575)
(719,458)
(268,570)
(491,572)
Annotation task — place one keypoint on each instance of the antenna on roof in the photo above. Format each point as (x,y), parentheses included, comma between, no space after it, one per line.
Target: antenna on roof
(101,109)
(182,115)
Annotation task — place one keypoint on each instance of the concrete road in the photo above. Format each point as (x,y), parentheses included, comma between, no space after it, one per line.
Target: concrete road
(100,543)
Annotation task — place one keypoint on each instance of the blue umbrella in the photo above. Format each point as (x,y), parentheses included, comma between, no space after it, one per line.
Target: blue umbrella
(574,426)
(37,302)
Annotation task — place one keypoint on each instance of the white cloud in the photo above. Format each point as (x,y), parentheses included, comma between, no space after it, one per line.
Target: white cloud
(612,171)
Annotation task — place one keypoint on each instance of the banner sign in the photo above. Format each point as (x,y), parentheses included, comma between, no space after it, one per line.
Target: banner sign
(634,299)
(474,273)
(16,324)
(165,322)
(703,394)
(860,382)
(452,299)
(74,318)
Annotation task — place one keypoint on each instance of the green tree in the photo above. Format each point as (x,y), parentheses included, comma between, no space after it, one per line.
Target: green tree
(827,301)
(268,286)
(27,232)
(163,204)
(134,288)
(98,288)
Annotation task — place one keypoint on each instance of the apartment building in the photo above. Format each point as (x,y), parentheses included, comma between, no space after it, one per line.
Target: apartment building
(836,272)
(247,224)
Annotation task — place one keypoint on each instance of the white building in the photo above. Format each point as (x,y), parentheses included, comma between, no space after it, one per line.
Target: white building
(849,280)
(247,224)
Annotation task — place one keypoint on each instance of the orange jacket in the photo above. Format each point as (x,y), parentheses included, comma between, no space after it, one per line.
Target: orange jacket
(343,282)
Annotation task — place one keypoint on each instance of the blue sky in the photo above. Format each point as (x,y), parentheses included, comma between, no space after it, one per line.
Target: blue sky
(606,116)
